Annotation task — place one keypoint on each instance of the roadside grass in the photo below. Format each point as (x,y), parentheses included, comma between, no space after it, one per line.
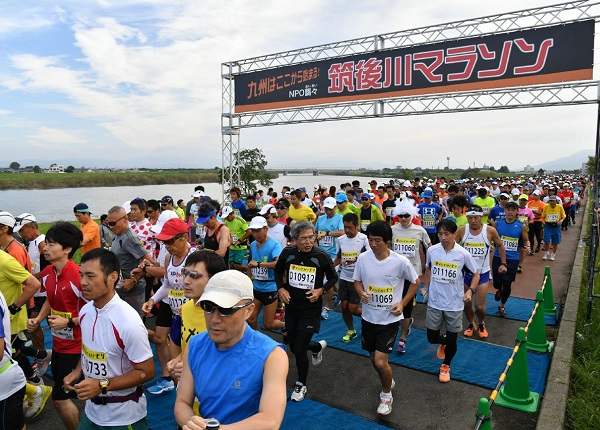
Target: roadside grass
(583,405)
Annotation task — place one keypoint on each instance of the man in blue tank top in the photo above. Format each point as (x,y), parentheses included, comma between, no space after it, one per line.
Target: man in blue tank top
(238,374)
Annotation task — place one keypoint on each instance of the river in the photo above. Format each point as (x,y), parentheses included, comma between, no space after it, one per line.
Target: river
(57,204)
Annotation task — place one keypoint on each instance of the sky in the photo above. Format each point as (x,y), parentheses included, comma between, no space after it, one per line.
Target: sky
(138,83)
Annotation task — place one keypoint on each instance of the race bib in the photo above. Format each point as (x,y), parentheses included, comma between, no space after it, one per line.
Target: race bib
(325,240)
(405,246)
(93,363)
(428,221)
(534,210)
(364,224)
(444,272)
(347,256)
(65,333)
(567,199)
(389,211)
(522,218)
(260,273)
(552,218)
(380,298)
(302,277)
(237,212)
(476,249)
(510,243)
(486,210)
(234,238)
(176,299)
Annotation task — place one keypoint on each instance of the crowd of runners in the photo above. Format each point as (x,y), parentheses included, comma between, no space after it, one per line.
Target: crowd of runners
(212,274)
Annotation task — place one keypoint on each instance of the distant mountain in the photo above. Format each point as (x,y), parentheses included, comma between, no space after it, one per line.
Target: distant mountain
(571,162)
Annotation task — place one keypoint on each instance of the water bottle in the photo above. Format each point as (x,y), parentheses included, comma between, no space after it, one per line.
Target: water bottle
(212,424)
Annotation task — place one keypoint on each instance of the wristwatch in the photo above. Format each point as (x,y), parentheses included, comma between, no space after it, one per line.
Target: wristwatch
(71,323)
(104,384)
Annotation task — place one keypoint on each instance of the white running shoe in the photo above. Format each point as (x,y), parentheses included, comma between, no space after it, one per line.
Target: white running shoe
(317,357)
(40,365)
(33,405)
(546,255)
(552,257)
(298,393)
(385,404)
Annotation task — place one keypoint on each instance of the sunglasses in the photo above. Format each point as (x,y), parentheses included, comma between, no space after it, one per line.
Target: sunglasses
(173,239)
(113,223)
(210,307)
(280,207)
(404,216)
(194,274)
(150,212)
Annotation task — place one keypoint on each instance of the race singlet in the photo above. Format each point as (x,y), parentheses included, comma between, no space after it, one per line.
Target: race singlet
(510,243)
(405,246)
(65,333)
(93,363)
(303,277)
(444,272)
(380,298)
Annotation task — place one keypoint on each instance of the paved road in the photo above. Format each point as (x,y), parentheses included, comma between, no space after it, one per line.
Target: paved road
(347,381)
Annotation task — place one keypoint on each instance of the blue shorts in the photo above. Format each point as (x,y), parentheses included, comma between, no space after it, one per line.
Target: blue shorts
(175,334)
(483,278)
(237,255)
(552,234)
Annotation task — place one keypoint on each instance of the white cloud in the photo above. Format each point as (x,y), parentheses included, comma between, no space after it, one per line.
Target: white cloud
(52,138)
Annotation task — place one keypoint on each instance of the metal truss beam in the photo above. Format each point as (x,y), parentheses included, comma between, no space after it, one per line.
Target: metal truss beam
(507,98)
(510,21)
(230,145)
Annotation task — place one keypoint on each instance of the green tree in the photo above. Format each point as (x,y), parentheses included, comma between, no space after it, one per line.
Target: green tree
(591,165)
(70,169)
(469,173)
(37,169)
(503,169)
(252,164)
(15,166)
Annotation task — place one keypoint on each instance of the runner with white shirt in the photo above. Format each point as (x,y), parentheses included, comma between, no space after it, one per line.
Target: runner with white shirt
(116,359)
(445,265)
(349,247)
(379,278)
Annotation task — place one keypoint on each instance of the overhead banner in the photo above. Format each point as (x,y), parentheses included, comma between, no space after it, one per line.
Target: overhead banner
(553,54)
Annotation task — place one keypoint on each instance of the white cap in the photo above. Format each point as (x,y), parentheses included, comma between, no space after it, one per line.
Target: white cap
(406,183)
(164,216)
(330,203)
(226,211)
(22,220)
(535,193)
(268,209)
(6,218)
(127,206)
(227,288)
(515,192)
(198,194)
(257,223)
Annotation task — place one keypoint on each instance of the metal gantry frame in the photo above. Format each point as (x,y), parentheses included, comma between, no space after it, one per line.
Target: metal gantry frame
(570,93)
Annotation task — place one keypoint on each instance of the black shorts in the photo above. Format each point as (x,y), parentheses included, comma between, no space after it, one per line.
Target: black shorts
(266,298)
(347,292)
(61,365)
(11,411)
(509,276)
(38,302)
(378,337)
(307,320)
(164,315)
(407,311)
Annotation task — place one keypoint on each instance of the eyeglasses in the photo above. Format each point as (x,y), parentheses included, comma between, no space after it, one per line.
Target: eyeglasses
(306,239)
(173,239)
(194,274)
(210,307)
(113,223)
(404,216)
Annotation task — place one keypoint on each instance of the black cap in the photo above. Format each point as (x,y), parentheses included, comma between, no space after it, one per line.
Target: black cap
(167,199)
(81,207)
(513,204)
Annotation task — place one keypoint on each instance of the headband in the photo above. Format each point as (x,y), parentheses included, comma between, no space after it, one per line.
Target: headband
(474,212)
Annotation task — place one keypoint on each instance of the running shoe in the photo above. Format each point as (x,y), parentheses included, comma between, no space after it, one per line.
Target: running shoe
(385,404)
(161,386)
(469,331)
(520,269)
(482,331)
(501,311)
(531,252)
(412,321)
(444,373)
(537,249)
(498,295)
(280,313)
(350,334)
(298,393)
(441,352)
(552,256)
(336,300)
(324,313)
(401,348)
(546,255)
(34,404)
(40,365)
(317,357)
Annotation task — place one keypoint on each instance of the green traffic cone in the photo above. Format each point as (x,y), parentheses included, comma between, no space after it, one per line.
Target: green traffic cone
(549,306)
(515,392)
(536,334)
(483,411)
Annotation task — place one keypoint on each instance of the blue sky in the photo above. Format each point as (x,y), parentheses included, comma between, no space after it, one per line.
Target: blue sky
(131,82)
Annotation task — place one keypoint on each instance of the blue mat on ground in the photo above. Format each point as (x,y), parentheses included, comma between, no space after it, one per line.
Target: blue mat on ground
(476,362)
(516,308)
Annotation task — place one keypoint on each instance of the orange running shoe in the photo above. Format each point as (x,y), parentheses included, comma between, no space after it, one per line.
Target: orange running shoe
(482,331)
(444,373)
(441,352)
(469,331)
